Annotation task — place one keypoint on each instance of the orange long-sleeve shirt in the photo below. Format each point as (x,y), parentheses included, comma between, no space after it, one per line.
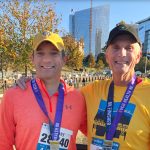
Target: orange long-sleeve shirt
(21,118)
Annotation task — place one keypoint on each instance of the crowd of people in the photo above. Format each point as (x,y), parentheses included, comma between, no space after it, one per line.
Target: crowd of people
(76,81)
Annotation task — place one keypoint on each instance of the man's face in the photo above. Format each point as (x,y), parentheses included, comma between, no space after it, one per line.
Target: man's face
(123,54)
(48,61)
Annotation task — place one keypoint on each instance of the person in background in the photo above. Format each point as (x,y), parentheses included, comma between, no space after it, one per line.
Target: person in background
(49,113)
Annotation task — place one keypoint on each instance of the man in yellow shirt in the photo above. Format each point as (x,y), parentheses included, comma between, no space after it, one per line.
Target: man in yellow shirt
(118,110)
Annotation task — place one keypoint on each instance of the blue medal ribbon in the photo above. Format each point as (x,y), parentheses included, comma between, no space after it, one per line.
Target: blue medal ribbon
(112,125)
(54,129)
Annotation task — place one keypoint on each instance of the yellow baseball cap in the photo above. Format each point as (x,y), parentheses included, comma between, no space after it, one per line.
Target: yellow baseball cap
(54,38)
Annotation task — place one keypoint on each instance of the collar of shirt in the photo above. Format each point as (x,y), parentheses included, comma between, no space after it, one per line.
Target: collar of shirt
(138,80)
(43,88)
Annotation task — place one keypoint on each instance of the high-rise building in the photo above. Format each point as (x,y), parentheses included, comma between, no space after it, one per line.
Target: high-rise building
(98,37)
(144,34)
(79,27)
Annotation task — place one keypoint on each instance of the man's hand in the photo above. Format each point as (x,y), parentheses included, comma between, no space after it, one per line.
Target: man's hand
(21,82)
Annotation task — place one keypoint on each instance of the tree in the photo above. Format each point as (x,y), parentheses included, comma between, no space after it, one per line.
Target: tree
(99,65)
(6,56)
(104,49)
(89,61)
(141,65)
(21,20)
(101,56)
(73,52)
(122,22)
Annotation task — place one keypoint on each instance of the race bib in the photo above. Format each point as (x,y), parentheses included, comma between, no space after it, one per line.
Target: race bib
(45,140)
(100,144)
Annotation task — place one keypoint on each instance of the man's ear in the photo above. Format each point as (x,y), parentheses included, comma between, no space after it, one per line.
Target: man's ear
(65,59)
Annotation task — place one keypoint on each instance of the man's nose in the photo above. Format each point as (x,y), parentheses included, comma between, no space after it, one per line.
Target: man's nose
(123,52)
(47,58)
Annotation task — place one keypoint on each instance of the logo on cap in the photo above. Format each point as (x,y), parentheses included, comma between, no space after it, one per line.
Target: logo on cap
(46,33)
(122,27)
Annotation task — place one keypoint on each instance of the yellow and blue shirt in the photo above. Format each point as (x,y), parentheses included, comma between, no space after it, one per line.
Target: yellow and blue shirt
(133,130)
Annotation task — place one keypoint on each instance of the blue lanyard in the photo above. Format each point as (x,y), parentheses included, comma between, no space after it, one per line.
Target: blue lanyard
(54,130)
(112,125)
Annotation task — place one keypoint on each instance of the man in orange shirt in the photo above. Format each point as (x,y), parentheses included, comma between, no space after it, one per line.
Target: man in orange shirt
(50,112)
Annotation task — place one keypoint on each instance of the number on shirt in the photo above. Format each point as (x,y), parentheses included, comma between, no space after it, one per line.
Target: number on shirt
(46,138)
(64,142)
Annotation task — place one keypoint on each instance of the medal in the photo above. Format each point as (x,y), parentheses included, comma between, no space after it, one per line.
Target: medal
(54,145)
(107,145)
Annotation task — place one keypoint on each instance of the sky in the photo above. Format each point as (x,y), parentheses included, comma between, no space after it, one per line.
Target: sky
(130,11)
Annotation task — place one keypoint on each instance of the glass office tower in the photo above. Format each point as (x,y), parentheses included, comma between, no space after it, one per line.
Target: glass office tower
(79,27)
(144,34)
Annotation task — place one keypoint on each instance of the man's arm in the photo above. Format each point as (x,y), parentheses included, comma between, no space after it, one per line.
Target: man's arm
(7,126)
(83,125)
